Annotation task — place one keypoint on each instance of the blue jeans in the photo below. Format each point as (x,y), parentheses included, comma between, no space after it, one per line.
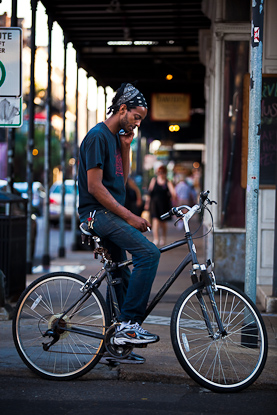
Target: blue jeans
(145,256)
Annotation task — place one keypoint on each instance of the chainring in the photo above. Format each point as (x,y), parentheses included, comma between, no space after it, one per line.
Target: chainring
(119,352)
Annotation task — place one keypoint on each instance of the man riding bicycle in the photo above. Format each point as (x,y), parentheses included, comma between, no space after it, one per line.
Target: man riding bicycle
(103,172)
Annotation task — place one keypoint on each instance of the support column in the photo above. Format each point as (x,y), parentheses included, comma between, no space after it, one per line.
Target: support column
(75,168)
(215,169)
(11,131)
(31,135)
(274,285)
(254,135)
(87,92)
(47,152)
(105,104)
(63,160)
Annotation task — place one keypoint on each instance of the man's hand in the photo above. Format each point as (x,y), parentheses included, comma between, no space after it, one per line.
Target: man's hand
(127,138)
(138,223)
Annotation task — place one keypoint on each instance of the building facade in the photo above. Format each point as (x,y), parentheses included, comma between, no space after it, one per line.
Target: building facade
(225,52)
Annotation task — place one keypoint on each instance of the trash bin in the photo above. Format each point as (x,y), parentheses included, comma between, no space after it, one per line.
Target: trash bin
(13,230)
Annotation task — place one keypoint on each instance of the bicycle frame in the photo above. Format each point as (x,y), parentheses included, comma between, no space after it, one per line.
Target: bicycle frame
(191,257)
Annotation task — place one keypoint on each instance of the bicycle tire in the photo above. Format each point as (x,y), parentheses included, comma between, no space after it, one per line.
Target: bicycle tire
(228,364)
(39,306)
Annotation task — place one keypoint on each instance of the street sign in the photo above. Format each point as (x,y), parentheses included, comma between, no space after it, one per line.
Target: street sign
(10,62)
(11,112)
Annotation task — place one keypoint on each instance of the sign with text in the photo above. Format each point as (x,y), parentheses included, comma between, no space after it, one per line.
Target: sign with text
(10,62)
(170,107)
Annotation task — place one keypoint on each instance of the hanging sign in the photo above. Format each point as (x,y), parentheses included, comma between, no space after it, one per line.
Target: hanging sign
(170,107)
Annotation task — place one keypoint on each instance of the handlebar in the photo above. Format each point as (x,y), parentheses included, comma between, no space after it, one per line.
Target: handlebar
(177,211)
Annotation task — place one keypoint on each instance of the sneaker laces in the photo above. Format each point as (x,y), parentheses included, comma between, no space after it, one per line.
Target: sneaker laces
(137,327)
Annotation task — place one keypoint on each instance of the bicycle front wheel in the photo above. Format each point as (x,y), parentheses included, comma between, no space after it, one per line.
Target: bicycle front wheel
(78,339)
(219,363)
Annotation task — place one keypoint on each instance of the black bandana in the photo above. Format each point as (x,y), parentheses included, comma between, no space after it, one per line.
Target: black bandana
(131,95)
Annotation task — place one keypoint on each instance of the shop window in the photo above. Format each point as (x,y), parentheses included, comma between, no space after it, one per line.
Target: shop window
(233,195)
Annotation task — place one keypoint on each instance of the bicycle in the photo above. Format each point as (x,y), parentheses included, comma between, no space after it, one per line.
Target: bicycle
(62,324)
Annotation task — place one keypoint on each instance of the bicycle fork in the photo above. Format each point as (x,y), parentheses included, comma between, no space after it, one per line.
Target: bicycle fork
(210,291)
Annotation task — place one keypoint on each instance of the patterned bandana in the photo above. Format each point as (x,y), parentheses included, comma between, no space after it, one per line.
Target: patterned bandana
(133,96)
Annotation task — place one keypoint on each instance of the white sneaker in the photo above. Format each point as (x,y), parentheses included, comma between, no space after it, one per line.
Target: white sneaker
(134,334)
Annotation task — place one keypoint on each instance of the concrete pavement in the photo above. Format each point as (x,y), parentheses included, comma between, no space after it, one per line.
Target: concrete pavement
(161,364)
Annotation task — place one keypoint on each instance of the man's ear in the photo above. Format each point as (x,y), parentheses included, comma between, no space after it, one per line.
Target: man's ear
(122,108)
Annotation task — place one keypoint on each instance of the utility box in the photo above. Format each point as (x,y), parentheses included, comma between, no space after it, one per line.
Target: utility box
(13,230)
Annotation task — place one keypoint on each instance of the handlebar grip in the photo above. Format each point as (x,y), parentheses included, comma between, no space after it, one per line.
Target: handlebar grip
(165,216)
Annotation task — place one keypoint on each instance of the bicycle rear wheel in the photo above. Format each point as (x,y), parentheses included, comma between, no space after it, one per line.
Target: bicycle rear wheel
(224,364)
(40,307)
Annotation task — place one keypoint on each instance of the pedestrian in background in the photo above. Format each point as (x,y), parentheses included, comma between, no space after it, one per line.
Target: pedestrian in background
(161,193)
(185,191)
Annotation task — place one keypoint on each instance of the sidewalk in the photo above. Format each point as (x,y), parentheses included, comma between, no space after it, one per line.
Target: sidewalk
(161,364)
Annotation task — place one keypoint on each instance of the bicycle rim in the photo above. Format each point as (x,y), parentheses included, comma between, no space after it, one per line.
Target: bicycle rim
(229,363)
(39,307)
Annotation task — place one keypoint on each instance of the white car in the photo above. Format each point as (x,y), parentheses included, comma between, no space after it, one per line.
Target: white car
(55,201)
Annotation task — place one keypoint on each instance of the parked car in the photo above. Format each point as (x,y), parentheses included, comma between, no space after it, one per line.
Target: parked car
(55,201)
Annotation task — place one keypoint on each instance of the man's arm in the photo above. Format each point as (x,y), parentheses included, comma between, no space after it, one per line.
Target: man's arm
(104,197)
(126,140)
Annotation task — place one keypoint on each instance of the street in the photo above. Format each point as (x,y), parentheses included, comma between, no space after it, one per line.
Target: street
(84,397)
(159,386)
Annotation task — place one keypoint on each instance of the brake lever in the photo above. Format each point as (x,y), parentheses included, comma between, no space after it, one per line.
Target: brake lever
(176,221)
(210,202)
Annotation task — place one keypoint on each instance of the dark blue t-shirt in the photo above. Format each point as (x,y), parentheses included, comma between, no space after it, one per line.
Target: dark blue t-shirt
(100,148)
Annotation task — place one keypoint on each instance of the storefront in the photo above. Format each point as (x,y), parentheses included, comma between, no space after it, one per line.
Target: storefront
(225,52)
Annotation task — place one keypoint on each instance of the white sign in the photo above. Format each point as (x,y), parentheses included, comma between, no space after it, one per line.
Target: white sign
(10,62)
(11,112)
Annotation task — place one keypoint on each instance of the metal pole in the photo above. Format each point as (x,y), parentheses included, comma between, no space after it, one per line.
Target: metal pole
(47,150)
(31,134)
(105,104)
(274,287)
(87,91)
(11,131)
(254,133)
(63,166)
(14,14)
(75,169)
